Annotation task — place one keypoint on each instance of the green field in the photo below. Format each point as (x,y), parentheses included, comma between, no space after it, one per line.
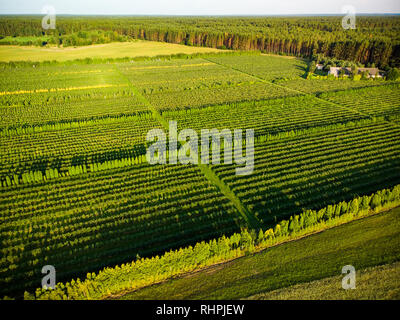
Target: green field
(78,193)
(364,243)
(132,49)
(375,283)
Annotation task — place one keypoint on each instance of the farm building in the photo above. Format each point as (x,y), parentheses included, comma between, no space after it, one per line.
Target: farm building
(372,72)
(336,71)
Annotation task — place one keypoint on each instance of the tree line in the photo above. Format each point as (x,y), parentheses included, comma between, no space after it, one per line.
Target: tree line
(374,41)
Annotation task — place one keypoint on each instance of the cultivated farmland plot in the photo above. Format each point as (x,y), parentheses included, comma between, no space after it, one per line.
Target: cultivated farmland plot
(198,83)
(88,222)
(77,192)
(320,86)
(377,101)
(265,67)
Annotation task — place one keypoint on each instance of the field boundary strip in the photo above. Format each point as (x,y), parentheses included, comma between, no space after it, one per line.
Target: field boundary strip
(249,216)
(100,86)
(173,66)
(82,72)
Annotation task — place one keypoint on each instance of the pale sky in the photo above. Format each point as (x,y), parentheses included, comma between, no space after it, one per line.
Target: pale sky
(198,7)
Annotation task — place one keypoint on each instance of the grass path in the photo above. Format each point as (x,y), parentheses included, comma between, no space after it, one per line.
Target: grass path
(362,243)
(375,283)
(249,217)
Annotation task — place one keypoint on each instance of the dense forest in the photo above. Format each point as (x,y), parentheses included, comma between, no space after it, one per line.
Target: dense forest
(376,39)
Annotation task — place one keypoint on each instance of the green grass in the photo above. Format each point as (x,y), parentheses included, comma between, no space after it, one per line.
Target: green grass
(376,283)
(109,50)
(363,243)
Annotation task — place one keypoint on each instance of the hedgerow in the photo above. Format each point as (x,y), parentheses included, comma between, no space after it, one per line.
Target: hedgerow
(85,61)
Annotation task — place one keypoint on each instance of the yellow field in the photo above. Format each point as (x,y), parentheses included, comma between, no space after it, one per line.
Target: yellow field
(109,50)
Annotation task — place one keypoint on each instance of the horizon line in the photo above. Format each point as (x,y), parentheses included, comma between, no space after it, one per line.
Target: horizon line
(202,15)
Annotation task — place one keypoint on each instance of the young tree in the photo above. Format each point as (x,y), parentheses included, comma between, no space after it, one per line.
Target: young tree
(354,207)
(376,201)
(393,74)
(260,237)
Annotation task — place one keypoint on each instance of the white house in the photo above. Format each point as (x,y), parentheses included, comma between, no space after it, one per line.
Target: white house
(336,71)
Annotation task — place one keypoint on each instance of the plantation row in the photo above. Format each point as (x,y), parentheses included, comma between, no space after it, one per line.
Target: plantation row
(175,75)
(266,116)
(196,85)
(60,110)
(62,145)
(139,158)
(29,78)
(168,85)
(147,271)
(204,97)
(266,67)
(50,173)
(377,101)
(45,90)
(60,149)
(20,120)
(77,123)
(312,171)
(313,86)
(286,72)
(97,219)
(59,98)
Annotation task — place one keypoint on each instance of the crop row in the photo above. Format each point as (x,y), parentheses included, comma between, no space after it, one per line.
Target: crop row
(77,111)
(266,67)
(170,78)
(310,171)
(377,101)
(27,78)
(61,149)
(219,95)
(265,117)
(314,86)
(48,98)
(100,218)
(204,84)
